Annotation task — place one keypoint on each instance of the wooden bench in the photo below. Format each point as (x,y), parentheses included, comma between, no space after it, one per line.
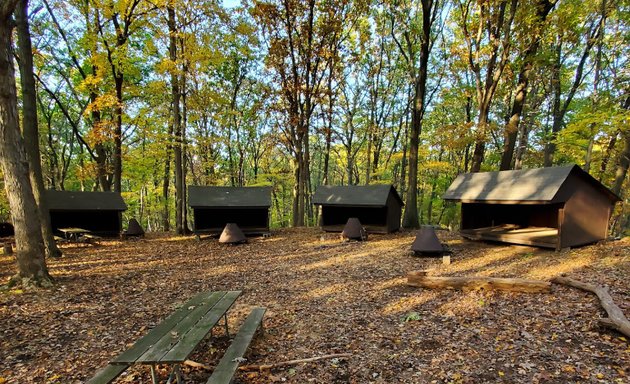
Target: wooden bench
(224,372)
(174,339)
(90,239)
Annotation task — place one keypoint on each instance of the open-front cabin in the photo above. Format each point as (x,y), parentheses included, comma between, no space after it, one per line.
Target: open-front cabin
(378,207)
(214,207)
(100,213)
(555,207)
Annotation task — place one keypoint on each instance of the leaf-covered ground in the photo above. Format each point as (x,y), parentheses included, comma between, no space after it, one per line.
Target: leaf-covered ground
(325,296)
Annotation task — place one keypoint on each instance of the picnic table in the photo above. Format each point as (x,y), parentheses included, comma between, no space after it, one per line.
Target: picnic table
(77,235)
(174,339)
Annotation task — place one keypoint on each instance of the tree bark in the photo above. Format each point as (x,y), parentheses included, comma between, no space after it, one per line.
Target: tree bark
(410,217)
(616,319)
(31,262)
(176,124)
(420,279)
(29,125)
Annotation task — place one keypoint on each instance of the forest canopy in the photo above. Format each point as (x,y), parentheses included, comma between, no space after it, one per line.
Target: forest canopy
(146,97)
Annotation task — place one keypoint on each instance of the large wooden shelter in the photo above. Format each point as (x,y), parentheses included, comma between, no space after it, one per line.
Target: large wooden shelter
(555,207)
(98,212)
(378,207)
(214,207)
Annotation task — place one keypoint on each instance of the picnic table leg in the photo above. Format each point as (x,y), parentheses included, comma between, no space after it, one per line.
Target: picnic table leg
(226,325)
(153,375)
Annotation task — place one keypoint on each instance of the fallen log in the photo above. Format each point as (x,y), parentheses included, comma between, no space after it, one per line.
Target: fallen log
(420,279)
(262,367)
(616,319)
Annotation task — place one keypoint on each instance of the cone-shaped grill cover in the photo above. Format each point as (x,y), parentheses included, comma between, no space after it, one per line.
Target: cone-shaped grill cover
(427,242)
(354,230)
(134,228)
(232,234)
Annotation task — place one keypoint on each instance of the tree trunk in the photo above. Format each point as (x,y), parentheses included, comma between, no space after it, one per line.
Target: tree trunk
(410,217)
(31,262)
(420,279)
(118,81)
(624,158)
(176,124)
(512,127)
(29,125)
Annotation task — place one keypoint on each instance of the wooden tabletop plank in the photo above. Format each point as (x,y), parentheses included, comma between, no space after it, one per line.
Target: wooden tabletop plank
(169,339)
(191,339)
(224,372)
(204,299)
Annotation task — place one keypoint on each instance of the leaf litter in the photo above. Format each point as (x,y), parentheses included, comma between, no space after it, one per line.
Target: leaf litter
(323,297)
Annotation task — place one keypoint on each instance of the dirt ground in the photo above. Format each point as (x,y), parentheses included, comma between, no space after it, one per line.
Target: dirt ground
(324,296)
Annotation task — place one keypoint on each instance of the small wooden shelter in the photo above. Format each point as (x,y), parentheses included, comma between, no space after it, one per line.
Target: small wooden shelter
(555,207)
(98,212)
(378,207)
(215,207)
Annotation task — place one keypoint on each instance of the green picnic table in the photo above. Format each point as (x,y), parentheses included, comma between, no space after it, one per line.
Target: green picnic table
(175,338)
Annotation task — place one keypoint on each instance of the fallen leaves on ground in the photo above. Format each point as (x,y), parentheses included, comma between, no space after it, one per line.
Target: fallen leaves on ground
(323,297)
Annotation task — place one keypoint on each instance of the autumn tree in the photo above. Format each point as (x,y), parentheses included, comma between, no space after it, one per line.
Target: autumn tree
(415,29)
(486,28)
(299,34)
(31,262)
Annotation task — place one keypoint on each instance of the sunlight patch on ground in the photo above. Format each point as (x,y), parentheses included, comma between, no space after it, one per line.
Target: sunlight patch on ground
(334,261)
(483,263)
(406,304)
(395,282)
(571,264)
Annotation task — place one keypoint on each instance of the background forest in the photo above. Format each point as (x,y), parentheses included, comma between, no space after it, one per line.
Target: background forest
(146,97)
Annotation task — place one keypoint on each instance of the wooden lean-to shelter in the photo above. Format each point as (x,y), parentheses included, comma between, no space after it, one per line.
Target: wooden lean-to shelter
(378,207)
(98,212)
(214,207)
(555,207)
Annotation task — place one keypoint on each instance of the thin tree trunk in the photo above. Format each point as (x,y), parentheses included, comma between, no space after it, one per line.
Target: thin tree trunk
(176,123)
(624,158)
(29,125)
(30,256)
(410,217)
(512,127)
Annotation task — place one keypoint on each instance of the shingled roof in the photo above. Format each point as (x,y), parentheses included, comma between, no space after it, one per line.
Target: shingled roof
(84,201)
(355,195)
(221,197)
(536,185)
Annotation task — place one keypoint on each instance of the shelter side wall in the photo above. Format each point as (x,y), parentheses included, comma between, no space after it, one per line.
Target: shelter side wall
(586,216)
(394,214)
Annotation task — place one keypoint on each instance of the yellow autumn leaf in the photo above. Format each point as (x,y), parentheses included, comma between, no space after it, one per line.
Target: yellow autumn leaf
(501,373)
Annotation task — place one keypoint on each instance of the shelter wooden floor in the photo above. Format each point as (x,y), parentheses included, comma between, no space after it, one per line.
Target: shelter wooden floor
(514,234)
(250,231)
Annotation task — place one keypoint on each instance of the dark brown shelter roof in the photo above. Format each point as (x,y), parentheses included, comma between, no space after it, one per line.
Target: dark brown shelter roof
(84,201)
(232,234)
(355,195)
(427,242)
(222,197)
(536,185)
(354,230)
